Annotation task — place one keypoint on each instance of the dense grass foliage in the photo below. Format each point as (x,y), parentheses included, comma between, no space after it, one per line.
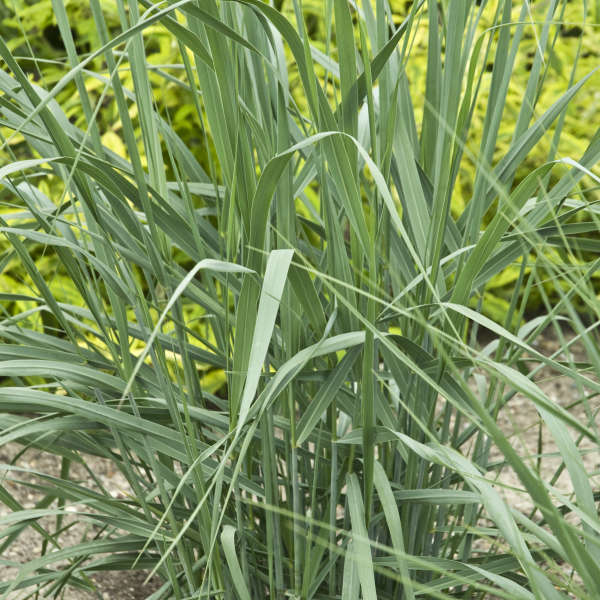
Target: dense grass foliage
(276,343)
(31,32)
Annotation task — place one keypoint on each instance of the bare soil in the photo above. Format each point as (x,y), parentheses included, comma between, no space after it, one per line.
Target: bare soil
(520,421)
(110,585)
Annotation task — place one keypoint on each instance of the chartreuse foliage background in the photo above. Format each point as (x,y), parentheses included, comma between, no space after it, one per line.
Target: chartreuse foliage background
(247,248)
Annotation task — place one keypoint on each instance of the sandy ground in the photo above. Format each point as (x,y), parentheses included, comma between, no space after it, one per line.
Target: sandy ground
(519,419)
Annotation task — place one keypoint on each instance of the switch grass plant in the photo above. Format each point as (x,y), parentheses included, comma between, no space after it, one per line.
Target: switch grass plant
(276,346)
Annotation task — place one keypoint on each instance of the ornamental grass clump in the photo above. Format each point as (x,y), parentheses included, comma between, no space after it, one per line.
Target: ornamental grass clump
(271,331)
